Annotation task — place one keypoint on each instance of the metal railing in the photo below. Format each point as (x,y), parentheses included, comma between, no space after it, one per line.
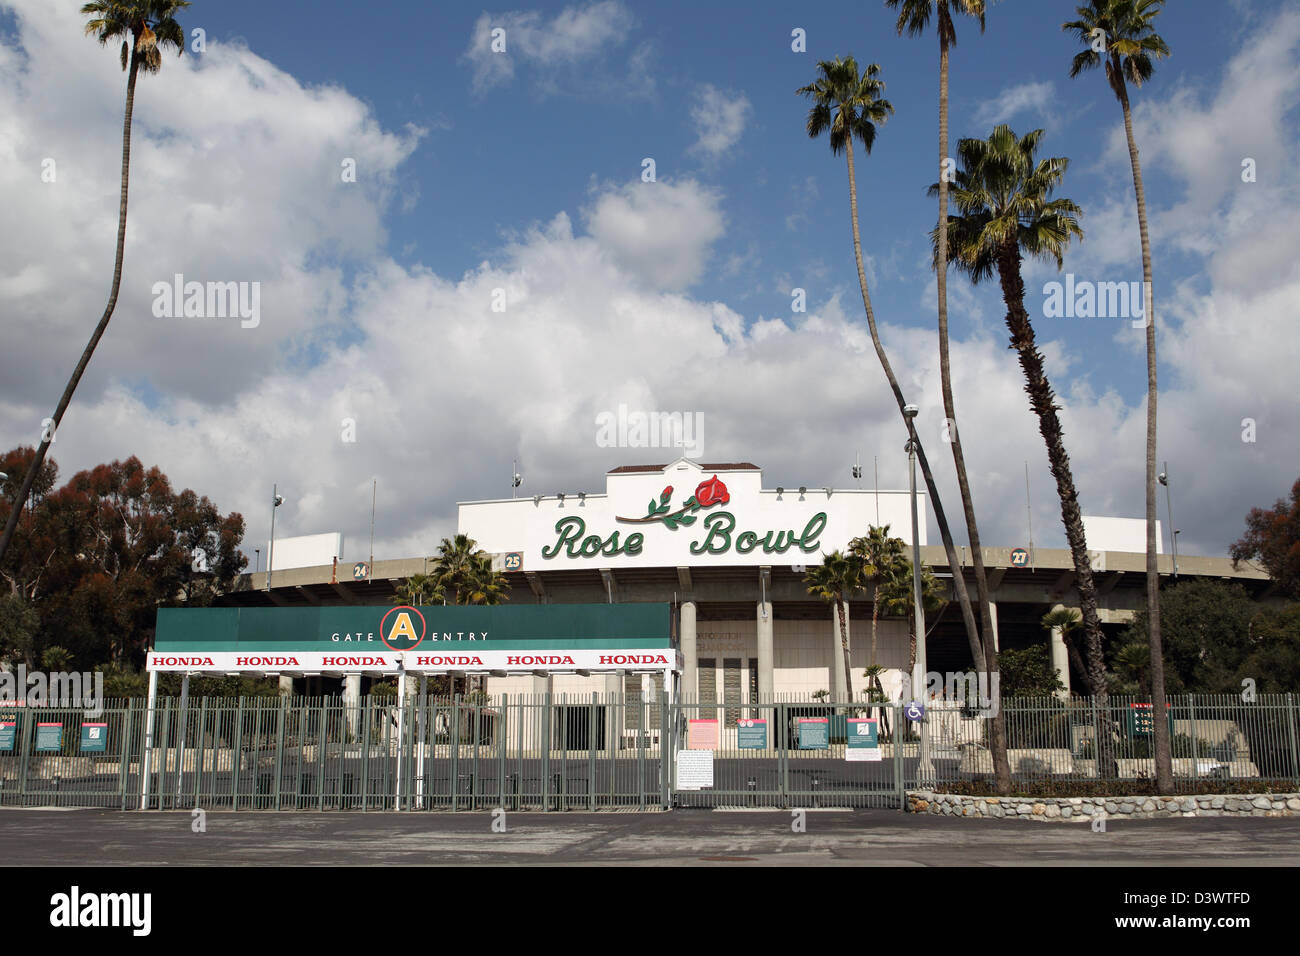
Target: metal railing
(603,751)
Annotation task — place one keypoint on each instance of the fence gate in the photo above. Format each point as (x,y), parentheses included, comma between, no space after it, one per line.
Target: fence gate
(793,754)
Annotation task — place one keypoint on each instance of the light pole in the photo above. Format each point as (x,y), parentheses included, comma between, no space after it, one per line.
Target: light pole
(1163,478)
(257,560)
(925,768)
(276,501)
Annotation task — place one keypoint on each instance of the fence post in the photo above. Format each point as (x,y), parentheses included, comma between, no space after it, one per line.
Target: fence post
(591,758)
(782,730)
(502,739)
(1290,723)
(279,748)
(198,769)
(127,723)
(366,704)
(667,741)
(898,756)
(1096,738)
(237,754)
(1191,719)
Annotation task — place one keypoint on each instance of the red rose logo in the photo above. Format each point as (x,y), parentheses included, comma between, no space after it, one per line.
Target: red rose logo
(666,493)
(712,492)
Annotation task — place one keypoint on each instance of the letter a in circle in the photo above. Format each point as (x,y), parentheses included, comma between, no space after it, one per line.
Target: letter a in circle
(402,628)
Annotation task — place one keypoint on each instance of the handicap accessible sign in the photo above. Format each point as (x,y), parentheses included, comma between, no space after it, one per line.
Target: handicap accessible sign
(94,738)
(863,739)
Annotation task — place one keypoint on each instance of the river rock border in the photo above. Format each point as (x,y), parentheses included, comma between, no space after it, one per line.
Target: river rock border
(1085,809)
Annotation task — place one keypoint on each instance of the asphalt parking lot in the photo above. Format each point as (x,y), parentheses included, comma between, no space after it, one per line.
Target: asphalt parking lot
(83,837)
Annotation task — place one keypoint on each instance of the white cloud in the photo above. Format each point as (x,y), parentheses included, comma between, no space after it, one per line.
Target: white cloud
(1032,98)
(238,178)
(571,36)
(660,232)
(719,117)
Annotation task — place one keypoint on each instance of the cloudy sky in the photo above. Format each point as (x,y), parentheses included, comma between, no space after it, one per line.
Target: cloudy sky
(515,178)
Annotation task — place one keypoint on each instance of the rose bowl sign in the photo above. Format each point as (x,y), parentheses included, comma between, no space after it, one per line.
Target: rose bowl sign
(647,518)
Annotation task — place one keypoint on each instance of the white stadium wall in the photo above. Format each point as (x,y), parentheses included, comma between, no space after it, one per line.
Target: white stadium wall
(752,526)
(306,551)
(1120,534)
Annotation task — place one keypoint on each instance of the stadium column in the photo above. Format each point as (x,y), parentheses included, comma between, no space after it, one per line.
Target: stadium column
(993,618)
(690,653)
(286,686)
(352,703)
(763,620)
(1061,657)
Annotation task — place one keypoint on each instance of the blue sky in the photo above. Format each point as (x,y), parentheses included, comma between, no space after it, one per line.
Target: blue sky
(521,171)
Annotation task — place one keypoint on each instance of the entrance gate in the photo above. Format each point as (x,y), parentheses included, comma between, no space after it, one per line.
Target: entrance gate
(761,759)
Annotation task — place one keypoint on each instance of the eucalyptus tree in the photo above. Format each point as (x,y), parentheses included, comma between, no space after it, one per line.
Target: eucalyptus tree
(1120,34)
(145,27)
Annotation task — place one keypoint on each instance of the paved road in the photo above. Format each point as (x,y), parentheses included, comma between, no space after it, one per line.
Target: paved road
(683,837)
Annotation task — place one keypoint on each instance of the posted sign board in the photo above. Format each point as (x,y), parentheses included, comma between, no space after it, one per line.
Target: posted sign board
(7,731)
(751,734)
(694,769)
(702,734)
(814,733)
(94,738)
(49,737)
(863,739)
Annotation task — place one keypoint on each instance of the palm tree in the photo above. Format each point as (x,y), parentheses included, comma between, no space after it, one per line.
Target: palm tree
(914,18)
(419,589)
(847,104)
(1067,621)
(1121,34)
(879,553)
(145,26)
(484,584)
(838,576)
(896,599)
(1004,208)
(454,564)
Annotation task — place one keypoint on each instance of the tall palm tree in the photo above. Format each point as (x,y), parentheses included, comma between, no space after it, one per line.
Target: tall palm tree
(838,576)
(1004,209)
(145,27)
(879,553)
(1121,34)
(914,18)
(847,104)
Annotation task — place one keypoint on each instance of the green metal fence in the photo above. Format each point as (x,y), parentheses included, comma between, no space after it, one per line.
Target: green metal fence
(601,751)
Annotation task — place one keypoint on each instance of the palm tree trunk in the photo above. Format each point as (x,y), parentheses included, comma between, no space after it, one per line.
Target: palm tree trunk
(1001,766)
(844,646)
(1042,401)
(958,581)
(34,469)
(1163,754)
(875,614)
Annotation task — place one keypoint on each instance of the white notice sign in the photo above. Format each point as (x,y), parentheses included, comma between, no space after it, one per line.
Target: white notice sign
(694,769)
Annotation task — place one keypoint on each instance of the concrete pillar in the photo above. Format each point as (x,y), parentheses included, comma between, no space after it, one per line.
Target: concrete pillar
(993,617)
(763,620)
(286,686)
(690,653)
(1061,658)
(351,703)
(839,685)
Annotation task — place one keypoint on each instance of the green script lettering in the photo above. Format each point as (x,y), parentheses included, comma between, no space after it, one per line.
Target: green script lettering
(811,532)
(720,525)
(570,531)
